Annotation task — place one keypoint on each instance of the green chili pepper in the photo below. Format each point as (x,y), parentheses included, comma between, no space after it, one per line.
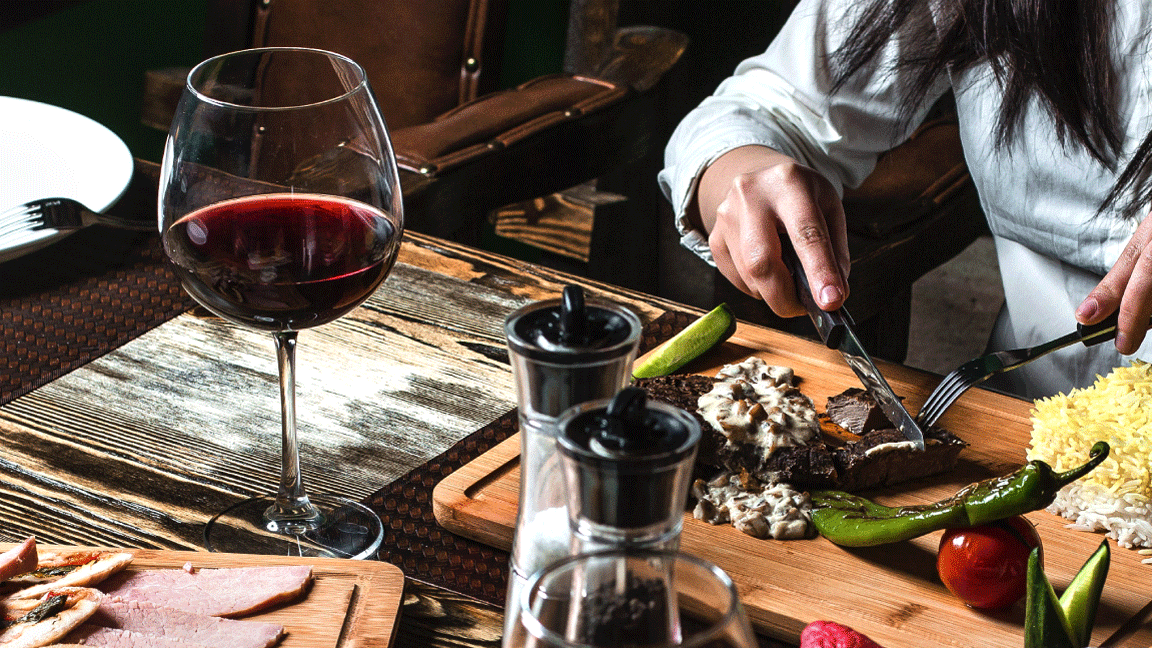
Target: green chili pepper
(854,521)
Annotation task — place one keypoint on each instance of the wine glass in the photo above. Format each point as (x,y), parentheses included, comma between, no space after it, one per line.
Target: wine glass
(631,597)
(280,209)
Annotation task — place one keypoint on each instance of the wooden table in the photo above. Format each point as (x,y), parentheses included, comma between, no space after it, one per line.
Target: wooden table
(130,426)
(129,418)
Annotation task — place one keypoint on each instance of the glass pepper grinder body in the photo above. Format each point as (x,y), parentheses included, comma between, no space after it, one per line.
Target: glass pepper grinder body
(563,352)
(628,466)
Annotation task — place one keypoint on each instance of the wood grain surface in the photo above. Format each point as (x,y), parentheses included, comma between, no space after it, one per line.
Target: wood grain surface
(140,447)
(890,593)
(350,603)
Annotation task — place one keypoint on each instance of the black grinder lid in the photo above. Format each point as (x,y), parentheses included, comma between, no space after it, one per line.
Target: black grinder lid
(629,459)
(556,331)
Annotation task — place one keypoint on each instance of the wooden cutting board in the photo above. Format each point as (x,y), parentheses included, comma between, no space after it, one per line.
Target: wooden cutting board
(351,603)
(891,593)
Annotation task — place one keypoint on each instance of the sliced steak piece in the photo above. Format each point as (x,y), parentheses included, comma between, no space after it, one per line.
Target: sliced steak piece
(18,560)
(857,411)
(808,466)
(93,636)
(885,457)
(170,623)
(215,592)
(679,390)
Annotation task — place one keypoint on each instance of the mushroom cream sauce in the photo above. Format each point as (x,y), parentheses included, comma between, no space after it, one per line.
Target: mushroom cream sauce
(754,402)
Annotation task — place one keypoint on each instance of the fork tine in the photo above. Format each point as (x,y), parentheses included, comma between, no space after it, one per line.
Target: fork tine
(12,211)
(14,215)
(14,221)
(943,396)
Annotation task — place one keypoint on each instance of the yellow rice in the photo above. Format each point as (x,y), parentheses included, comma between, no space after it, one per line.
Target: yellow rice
(1117,496)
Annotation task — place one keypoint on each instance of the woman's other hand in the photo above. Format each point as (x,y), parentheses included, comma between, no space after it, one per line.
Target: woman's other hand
(751,196)
(1127,287)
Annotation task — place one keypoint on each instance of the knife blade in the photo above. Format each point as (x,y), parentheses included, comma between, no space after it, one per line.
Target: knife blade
(836,330)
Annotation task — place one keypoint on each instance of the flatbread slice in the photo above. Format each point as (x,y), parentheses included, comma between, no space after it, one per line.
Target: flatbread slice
(18,560)
(32,623)
(67,569)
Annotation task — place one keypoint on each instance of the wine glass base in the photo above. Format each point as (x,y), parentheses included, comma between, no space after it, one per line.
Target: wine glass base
(348,530)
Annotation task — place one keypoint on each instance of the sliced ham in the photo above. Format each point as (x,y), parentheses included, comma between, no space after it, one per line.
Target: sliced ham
(215,592)
(18,560)
(95,636)
(170,623)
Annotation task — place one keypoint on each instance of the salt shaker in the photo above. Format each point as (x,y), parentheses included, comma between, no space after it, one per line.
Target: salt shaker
(563,352)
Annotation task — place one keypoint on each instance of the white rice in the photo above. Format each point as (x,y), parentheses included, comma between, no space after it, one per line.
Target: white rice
(1116,497)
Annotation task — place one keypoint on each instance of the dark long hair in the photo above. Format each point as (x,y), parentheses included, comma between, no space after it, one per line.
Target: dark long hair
(1056,50)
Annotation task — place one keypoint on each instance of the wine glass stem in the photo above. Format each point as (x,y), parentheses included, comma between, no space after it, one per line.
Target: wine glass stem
(292,512)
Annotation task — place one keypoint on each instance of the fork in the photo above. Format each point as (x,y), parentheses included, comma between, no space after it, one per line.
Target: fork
(61,214)
(976,371)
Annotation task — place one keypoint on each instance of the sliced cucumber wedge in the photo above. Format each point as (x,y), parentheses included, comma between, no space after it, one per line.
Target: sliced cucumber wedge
(687,345)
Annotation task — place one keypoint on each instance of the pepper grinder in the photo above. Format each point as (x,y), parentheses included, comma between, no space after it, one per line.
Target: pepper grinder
(627,468)
(563,352)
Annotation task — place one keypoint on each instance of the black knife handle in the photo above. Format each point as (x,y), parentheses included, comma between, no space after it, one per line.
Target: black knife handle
(1101,331)
(830,325)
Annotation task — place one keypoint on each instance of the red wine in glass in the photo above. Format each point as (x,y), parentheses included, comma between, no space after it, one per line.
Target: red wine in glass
(303,126)
(283,261)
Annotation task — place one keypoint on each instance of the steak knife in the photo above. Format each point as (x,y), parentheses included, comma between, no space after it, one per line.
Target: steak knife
(835,328)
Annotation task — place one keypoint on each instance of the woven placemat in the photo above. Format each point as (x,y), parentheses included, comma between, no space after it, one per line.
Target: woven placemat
(75,300)
(427,552)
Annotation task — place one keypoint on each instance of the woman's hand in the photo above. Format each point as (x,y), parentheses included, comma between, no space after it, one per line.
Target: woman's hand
(1127,287)
(751,196)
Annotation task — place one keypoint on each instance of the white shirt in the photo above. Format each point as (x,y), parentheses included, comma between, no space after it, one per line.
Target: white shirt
(1040,196)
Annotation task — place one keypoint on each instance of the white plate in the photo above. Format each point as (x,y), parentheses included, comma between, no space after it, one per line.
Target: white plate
(48,152)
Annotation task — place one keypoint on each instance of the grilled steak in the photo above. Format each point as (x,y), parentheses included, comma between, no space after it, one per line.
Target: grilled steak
(215,592)
(847,460)
(856,411)
(884,457)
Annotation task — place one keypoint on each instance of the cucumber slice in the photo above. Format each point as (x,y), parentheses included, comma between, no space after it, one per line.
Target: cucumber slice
(1082,597)
(687,345)
(1045,625)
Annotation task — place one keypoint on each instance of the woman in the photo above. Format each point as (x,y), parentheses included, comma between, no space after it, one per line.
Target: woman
(1054,99)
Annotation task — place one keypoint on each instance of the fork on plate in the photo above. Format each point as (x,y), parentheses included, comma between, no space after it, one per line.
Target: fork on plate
(976,371)
(61,214)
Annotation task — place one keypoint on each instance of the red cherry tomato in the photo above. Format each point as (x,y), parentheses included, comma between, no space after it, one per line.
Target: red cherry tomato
(987,566)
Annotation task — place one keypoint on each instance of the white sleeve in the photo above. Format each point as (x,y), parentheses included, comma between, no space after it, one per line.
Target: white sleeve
(780,99)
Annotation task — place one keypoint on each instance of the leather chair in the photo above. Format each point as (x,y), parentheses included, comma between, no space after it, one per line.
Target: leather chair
(465,148)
